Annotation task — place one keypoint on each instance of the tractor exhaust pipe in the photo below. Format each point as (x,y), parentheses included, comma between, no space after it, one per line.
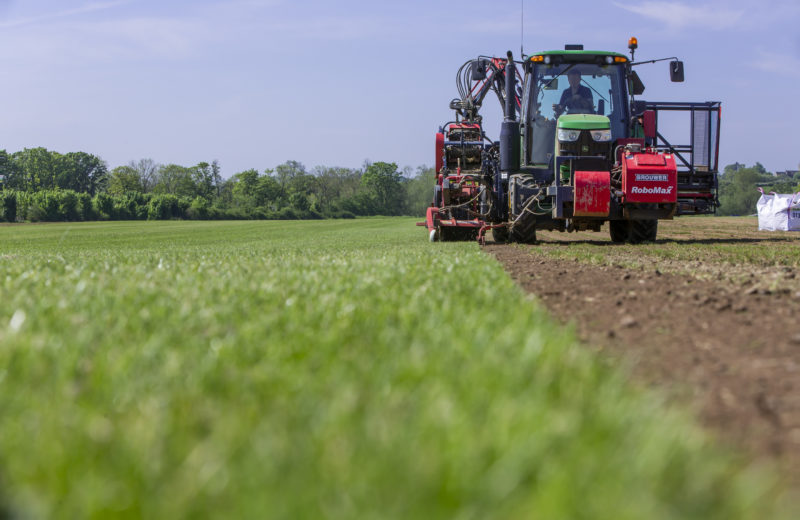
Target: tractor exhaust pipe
(511,83)
(509,130)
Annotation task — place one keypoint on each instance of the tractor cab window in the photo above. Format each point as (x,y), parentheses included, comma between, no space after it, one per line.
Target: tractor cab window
(569,88)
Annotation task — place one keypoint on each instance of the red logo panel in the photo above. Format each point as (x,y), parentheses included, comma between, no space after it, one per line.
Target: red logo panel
(650,177)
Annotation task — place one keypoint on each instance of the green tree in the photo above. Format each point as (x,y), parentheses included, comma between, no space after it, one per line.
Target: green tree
(419,191)
(36,168)
(124,179)
(287,171)
(382,181)
(299,201)
(302,183)
(332,184)
(177,180)
(9,200)
(148,173)
(216,176)
(82,172)
(203,178)
(6,175)
(269,193)
(225,199)
(244,189)
(738,188)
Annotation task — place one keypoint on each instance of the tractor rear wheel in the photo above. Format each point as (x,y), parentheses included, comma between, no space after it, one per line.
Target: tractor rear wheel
(619,230)
(643,231)
(524,230)
(500,234)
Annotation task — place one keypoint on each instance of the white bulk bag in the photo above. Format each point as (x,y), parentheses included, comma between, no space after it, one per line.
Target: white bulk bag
(778,211)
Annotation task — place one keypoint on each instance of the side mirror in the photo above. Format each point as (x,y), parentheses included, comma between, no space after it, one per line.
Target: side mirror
(478,70)
(676,71)
(601,107)
(551,85)
(637,87)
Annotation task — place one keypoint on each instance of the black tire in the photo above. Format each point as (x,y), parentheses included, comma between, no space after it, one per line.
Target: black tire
(643,231)
(619,230)
(500,234)
(524,231)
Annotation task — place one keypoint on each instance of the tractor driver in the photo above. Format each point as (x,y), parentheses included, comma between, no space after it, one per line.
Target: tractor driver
(577,98)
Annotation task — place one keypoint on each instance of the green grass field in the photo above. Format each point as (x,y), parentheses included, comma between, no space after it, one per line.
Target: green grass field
(341,369)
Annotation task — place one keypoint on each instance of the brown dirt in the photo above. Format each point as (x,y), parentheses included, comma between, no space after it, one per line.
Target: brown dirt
(729,348)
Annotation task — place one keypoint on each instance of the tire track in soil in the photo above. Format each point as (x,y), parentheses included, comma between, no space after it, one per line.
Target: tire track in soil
(733,354)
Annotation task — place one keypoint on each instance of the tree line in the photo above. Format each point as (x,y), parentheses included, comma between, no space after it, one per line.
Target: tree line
(42,185)
(37,184)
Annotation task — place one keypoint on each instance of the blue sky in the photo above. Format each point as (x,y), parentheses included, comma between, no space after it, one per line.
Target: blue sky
(254,83)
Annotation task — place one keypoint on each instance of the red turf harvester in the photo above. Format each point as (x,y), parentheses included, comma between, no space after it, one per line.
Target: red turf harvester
(576,150)
(459,195)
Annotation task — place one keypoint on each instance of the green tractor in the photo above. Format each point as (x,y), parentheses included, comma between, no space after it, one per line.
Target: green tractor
(577,149)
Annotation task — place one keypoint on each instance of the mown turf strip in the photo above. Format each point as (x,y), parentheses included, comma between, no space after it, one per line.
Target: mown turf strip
(318,369)
(726,241)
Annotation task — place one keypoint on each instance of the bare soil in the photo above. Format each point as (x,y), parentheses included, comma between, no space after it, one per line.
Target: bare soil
(721,332)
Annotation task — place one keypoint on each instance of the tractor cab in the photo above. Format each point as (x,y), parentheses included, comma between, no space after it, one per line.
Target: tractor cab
(577,150)
(575,103)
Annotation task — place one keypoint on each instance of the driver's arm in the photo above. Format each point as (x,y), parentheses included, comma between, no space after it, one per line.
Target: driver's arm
(560,106)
